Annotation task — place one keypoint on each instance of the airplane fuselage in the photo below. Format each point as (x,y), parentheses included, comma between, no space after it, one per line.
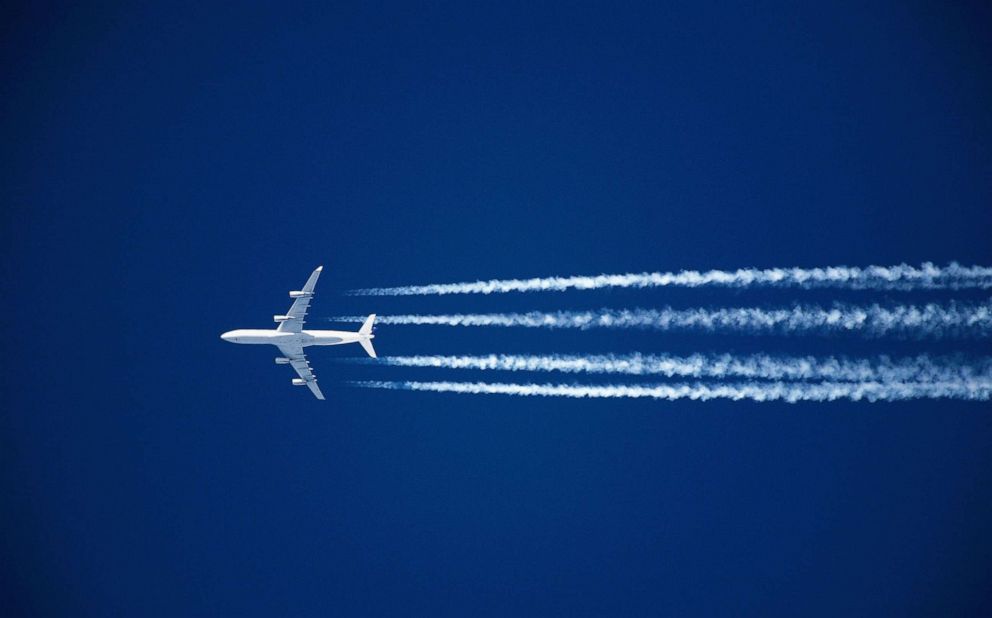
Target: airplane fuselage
(303,338)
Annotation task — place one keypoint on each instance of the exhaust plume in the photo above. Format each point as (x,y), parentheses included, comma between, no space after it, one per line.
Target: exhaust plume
(930,320)
(921,368)
(900,277)
(790,392)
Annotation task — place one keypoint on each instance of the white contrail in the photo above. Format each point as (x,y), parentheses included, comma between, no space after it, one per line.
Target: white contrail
(929,320)
(921,368)
(900,277)
(790,392)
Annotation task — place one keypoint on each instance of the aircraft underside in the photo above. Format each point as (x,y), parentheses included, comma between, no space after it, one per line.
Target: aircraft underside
(290,337)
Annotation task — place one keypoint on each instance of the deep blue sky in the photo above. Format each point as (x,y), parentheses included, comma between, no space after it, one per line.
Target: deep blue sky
(170,172)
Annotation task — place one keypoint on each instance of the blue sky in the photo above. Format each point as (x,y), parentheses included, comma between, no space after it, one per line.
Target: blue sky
(170,171)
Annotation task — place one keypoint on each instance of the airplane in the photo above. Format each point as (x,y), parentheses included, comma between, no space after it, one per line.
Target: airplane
(290,337)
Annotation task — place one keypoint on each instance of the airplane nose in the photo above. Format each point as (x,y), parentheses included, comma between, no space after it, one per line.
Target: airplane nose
(227,336)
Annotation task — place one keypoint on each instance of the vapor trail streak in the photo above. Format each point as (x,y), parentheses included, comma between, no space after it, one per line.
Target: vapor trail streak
(900,277)
(930,320)
(921,368)
(790,392)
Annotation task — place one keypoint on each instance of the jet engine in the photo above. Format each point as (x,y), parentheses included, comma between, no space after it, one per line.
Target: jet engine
(299,381)
(299,294)
(281,318)
(282,360)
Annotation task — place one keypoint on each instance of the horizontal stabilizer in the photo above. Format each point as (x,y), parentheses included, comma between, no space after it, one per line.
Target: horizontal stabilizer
(367,344)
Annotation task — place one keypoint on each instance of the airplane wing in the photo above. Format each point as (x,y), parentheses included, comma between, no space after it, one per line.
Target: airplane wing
(298,312)
(299,362)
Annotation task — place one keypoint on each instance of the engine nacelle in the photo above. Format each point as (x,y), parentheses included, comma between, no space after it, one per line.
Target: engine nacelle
(282,360)
(280,318)
(299,294)
(299,381)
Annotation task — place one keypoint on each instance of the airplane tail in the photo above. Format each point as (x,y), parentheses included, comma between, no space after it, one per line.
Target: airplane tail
(366,339)
(367,344)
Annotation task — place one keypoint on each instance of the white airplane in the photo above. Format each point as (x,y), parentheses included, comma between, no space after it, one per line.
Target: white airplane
(290,337)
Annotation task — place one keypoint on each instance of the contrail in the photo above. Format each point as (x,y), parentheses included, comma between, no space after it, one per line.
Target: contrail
(921,368)
(790,392)
(900,277)
(929,320)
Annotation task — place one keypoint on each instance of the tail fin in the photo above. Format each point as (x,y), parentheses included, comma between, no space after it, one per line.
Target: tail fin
(366,339)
